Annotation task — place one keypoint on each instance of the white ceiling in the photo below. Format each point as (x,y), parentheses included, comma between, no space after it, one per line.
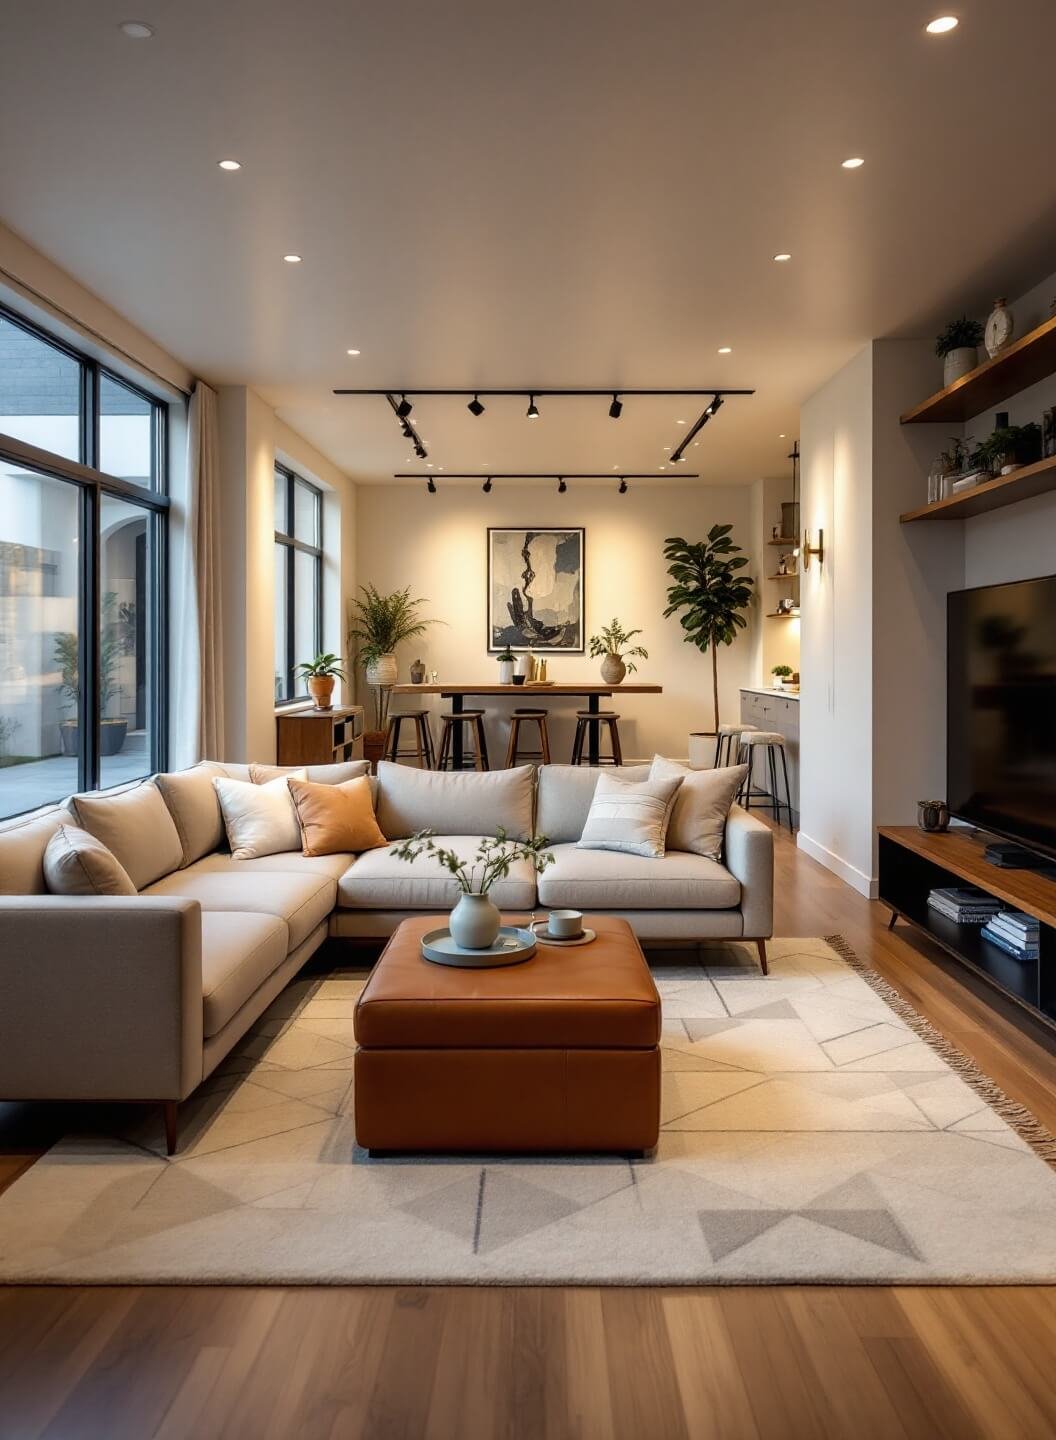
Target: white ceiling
(497,194)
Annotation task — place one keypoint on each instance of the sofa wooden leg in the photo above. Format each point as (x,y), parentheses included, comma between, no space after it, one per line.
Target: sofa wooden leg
(172,1125)
(894,918)
(761,945)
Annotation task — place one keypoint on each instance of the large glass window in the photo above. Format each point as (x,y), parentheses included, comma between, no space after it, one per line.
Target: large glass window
(298,580)
(81,583)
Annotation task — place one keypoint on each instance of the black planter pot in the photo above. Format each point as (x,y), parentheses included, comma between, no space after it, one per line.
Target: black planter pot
(112,734)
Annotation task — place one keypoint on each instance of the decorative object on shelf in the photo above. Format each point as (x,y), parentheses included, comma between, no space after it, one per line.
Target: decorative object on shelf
(786,606)
(958,348)
(959,463)
(475,920)
(321,673)
(540,678)
(806,550)
(535,589)
(523,667)
(775,533)
(782,674)
(1008,447)
(790,517)
(935,475)
(417,673)
(1048,433)
(933,815)
(1000,327)
(378,624)
(506,659)
(619,657)
(708,594)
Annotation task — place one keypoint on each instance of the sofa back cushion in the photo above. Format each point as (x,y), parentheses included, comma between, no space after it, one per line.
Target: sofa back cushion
(466,802)
(76,863)
(136,827)
(22,845)
(195,809)
(317,774)
(698,817)
(565,793)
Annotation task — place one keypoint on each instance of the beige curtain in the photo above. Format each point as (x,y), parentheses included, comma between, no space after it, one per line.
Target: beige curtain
(196,625)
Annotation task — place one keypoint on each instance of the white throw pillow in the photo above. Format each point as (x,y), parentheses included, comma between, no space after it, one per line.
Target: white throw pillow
(702,805)
(259,819)
(76,863)
(629,817)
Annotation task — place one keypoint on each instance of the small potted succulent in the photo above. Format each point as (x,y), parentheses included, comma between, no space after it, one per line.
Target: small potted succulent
(475,921)
(506,659)
(782,676)
(958,348)
(611,642)
(320,674)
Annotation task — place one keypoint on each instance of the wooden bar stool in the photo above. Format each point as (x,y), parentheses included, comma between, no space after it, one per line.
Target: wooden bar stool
(422,749)
(769,743)
(479,756)
(587,720)
(724,745)
(513,750)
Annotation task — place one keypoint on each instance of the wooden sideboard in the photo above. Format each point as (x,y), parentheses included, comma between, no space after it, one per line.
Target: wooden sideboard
(770,710)
(319,737)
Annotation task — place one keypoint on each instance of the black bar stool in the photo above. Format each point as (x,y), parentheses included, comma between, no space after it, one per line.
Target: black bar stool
(768,743)
(513,750)
(588,718)
(422,749)
(475,720)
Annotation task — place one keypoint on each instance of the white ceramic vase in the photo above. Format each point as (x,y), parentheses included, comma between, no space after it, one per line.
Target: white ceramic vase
(383,670)
(505,672)
(525,663)
(613,669)
(958,362)
(475,922)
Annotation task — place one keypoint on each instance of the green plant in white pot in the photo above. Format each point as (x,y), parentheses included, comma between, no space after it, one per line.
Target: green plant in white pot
(782,676)
(475,921)
(612,643)
(958,348)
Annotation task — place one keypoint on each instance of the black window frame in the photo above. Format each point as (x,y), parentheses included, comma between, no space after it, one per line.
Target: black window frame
(92,485)
(288,539)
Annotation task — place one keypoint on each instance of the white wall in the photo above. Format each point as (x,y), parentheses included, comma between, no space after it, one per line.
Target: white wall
(437,545)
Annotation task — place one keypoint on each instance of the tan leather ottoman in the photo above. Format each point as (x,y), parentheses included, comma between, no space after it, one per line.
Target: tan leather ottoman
(561,1053)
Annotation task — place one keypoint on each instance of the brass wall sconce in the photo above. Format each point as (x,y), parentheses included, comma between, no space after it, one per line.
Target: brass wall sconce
(807,549)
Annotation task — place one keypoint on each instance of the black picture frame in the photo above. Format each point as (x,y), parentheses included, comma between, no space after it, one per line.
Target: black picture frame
(495,619)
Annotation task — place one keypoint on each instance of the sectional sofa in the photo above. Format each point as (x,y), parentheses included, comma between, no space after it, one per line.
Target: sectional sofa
(139,998)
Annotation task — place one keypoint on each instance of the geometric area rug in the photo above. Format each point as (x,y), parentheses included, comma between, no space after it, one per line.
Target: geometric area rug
(814,1130)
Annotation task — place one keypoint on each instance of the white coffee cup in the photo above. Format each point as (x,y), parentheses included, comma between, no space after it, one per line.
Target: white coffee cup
(565,924)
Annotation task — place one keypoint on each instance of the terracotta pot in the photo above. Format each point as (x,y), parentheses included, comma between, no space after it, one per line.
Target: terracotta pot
(382,671)
(613,669)
(374,746)
(321,689)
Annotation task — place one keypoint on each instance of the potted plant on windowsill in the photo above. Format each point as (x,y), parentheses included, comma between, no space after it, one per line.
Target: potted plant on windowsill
(619,659)
(958,348)
(321,674)
(475,921)
(782,675)
(378,624)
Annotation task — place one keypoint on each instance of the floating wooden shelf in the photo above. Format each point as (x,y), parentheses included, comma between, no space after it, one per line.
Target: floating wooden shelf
(782,614)
(782,577)
(787,540)
(1024,363)
(991,494)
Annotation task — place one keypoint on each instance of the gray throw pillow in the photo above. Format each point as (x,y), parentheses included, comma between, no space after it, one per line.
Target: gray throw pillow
(698,816)
(630,817)
(76,863)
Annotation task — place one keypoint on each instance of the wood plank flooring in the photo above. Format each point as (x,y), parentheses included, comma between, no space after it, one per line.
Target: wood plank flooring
(741,1363)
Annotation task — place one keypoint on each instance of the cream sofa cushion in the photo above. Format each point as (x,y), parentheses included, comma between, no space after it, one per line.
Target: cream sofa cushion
(22,845)
(470,802)
(610,880)
(259,819)
(564,796)
(303,901)
(194,807)
(290,862)
(631,818)
(378,881)
(698,816)
(317,774)
(239,952)
(76,863)
(136,827)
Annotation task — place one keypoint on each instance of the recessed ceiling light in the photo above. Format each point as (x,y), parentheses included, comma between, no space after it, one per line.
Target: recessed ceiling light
(292,259)
(942,25)
(725,349)
(661,467)
(667,447)
(680,422)
(854,163)
(136,29)
(781,436)
(782,257)
(230,164)
(351,352)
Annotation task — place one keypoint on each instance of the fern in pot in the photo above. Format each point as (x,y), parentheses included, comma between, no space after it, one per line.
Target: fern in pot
(612,643)
(377,625)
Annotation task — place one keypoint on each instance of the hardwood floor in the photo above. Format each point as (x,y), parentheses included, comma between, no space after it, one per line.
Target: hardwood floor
(743,1363)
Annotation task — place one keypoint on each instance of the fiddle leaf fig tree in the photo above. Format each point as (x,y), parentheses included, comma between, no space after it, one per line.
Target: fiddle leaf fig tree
(708,594)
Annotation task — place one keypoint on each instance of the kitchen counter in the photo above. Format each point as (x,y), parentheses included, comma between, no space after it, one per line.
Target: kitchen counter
(769,690)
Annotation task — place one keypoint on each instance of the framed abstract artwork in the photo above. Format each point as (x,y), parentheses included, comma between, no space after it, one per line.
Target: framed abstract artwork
(535,589)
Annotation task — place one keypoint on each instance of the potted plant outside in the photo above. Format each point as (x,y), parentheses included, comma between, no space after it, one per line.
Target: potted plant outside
(506,659)
(782,676)
(958,348)
(378,624)
(67,655)
(619,657)
(708,594)
(475,921)
(320,674)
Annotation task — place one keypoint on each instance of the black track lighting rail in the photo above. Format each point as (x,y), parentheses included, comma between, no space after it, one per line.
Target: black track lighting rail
(401,409)
(541,393)
(539,475)
(695,429)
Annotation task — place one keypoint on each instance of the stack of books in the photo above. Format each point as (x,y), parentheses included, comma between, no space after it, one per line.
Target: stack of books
(964,905)
(1015,933)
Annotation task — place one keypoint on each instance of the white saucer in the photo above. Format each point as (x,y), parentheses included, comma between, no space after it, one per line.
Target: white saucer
(542,934)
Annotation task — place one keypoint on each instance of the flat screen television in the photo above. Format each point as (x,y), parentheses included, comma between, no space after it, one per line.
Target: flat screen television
(1001,710)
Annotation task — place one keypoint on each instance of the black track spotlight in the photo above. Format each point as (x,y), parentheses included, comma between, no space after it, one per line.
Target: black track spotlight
(623,486)
(561,486)
(421,452)
(408,433)
(475,407)
(431,485)
(533,408)
(616,408)
(486,487)
(715,404)
(404,408)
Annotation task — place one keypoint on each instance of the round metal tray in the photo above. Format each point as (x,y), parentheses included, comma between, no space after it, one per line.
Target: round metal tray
(511,947)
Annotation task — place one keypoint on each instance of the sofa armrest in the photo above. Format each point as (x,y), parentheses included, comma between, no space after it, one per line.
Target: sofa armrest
(101,998)
(750,859)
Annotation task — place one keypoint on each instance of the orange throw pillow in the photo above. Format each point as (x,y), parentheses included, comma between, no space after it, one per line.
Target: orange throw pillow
(336,818)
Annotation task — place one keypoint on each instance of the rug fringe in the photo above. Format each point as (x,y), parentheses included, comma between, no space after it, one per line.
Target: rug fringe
(1020,1119)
